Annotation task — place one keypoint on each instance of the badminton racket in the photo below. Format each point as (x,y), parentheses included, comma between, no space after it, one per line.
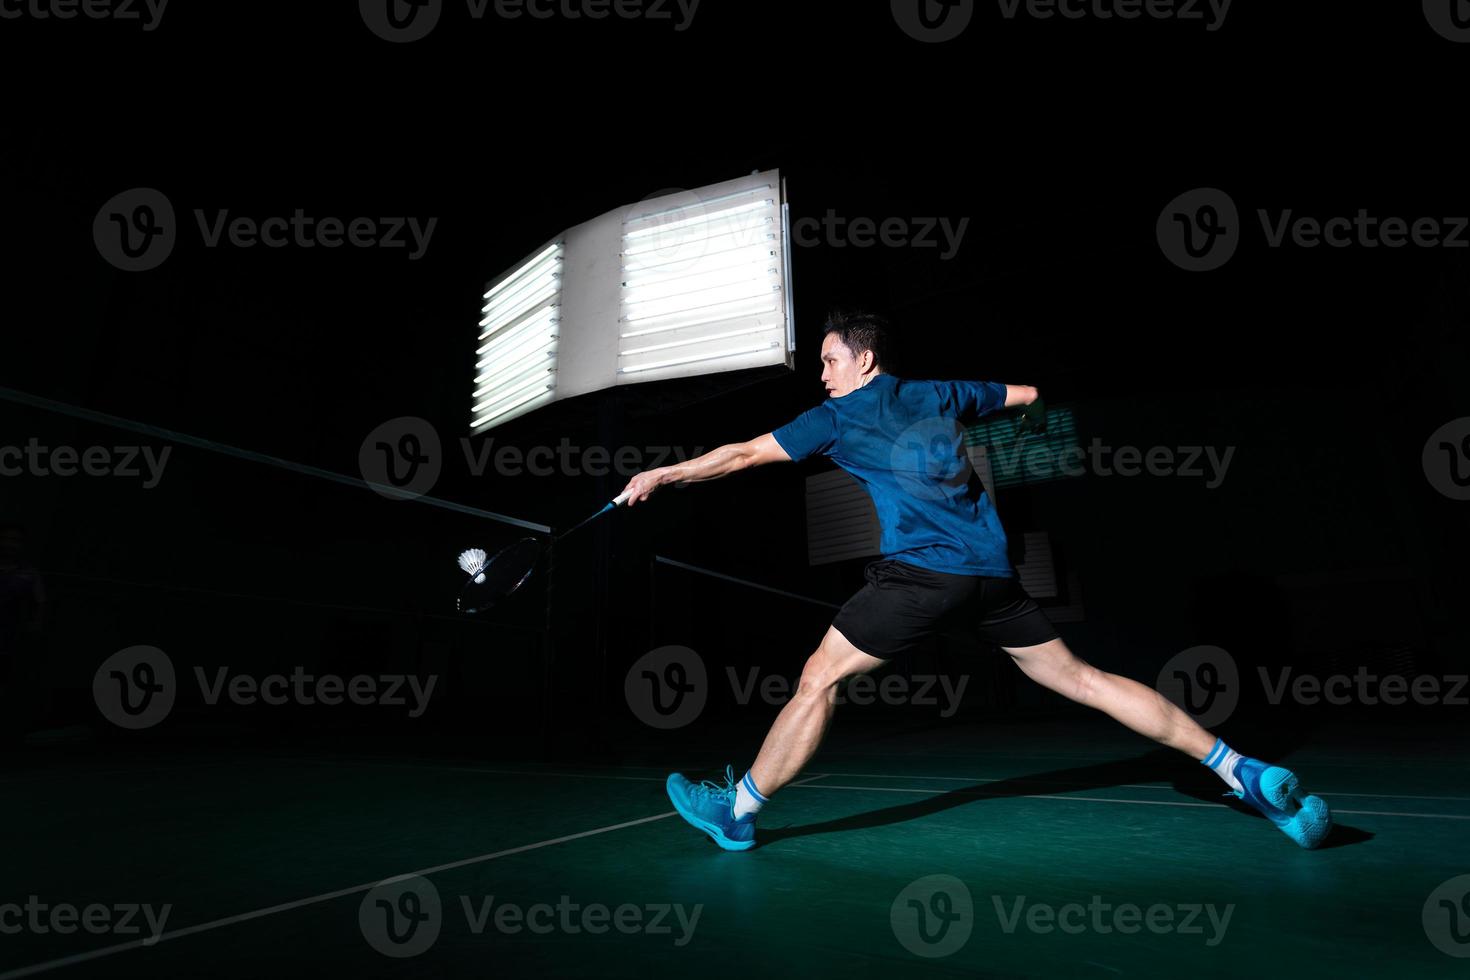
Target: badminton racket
(494,578)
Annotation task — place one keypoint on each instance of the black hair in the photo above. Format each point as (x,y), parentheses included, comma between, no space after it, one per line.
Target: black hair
(860,330)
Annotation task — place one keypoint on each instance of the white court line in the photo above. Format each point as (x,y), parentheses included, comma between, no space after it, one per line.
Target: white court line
(890,789)
(517,772)
(1105,799)
(1340,762)
(1017,796)
(801,782)
(806,783)
(1395,813)
(858,775)
(1023,779)
(1396,796)
(496,772)
(35,968)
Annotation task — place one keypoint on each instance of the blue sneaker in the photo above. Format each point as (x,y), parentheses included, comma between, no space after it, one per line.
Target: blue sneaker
(711,808)
(1274,791)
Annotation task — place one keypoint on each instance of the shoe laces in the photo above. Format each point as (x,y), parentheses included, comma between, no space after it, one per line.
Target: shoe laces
(716,792)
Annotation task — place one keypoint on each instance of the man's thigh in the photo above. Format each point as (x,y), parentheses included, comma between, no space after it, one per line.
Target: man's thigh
(836,658)
(1051,664)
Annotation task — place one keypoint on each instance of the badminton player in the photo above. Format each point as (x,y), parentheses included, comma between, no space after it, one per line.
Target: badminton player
(943,556)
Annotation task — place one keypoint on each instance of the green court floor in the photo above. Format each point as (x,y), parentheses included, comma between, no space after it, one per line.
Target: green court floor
(959,850)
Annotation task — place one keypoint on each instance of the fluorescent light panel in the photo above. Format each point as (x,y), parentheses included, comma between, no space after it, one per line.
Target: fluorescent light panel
(515,367)
(732,359)
(702,286)
(691,283)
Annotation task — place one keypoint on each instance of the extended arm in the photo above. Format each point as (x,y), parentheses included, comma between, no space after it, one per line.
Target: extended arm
(1032,406)
(712,465)
(1021,395)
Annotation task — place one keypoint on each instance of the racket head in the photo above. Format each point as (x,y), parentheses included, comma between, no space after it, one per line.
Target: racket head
(502,575)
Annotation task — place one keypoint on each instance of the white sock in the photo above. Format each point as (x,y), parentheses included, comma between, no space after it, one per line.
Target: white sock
(747,798)
(1222,759)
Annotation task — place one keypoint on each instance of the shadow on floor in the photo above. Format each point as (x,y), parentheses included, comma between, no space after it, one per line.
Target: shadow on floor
(1203,786)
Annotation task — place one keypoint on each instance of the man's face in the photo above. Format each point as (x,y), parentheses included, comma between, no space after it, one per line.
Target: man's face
(841,372)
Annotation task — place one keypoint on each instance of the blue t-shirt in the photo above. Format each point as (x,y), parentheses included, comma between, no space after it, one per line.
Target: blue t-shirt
(903,440)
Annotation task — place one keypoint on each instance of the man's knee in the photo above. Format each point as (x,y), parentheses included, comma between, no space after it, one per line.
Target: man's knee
(1054,666)
(1086,681)
(832,661)
(819,678)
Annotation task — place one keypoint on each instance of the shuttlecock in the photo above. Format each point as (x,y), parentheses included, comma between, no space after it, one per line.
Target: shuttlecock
(473,562)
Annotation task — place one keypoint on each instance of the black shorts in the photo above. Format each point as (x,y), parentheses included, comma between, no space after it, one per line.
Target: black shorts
(903,603)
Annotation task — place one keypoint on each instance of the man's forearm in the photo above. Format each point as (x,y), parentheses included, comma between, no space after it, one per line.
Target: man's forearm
(712,465)
(1020,395)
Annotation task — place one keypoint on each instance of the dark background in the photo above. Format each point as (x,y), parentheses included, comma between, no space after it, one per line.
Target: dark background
(1327,369)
